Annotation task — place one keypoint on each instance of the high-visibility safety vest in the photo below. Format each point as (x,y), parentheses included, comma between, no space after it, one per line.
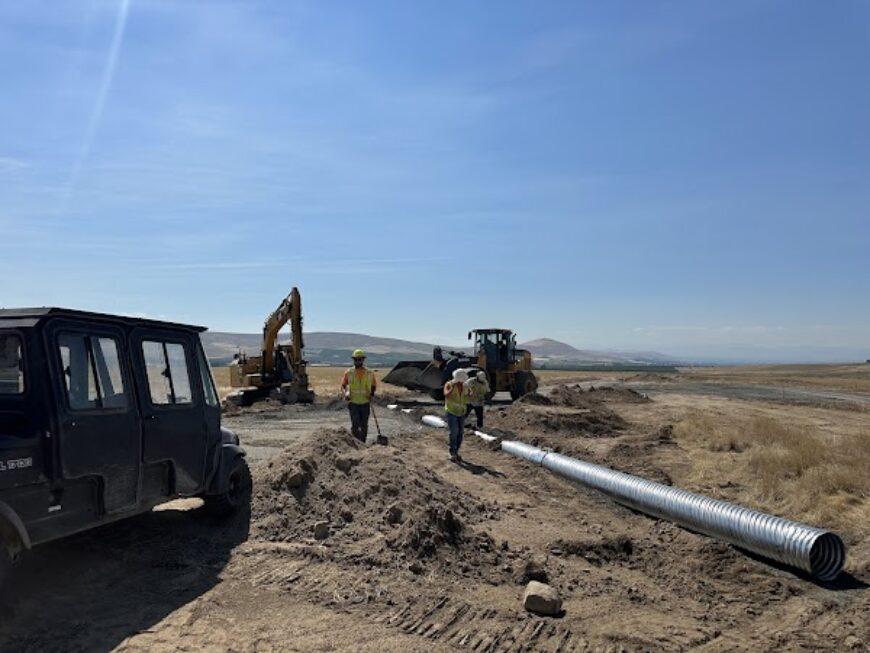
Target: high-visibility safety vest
(456,400)
(477,390)
(360,385)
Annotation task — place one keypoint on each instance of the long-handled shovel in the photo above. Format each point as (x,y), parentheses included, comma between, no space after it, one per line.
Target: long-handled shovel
(381,439)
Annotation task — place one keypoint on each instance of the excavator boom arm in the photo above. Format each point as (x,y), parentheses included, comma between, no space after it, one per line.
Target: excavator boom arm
(290,310)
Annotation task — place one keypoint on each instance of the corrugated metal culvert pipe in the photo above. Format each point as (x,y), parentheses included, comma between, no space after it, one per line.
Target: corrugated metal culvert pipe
(817,551)
(814,550)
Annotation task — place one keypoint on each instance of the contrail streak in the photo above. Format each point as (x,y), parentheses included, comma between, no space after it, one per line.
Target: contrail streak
(100,101)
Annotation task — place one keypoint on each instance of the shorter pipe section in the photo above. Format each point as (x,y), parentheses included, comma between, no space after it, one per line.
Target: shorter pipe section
(436,422)
(485,437)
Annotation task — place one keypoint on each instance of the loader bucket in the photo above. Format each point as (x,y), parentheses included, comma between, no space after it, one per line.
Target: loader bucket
(422,376)
(432,378)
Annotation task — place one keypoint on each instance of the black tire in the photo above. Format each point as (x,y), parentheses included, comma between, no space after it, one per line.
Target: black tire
(238,494)
(5,565)
(524,383)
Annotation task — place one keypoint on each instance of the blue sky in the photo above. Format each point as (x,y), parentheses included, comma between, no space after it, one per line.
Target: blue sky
(692,177)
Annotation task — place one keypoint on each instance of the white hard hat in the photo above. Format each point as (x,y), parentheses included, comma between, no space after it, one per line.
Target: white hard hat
(460,376)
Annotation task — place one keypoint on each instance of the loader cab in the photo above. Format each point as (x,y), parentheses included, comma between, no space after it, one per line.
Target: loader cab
(103,417)
(495,348)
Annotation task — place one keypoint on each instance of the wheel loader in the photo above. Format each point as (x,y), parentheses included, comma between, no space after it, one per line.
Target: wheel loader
(508,369)
(280,372)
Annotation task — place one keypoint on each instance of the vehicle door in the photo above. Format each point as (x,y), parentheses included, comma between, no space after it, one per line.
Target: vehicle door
(100,434)
(174,423)
(211,407)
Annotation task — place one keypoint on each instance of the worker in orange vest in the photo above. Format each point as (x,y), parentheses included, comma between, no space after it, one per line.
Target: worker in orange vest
(358,385)
(456,395)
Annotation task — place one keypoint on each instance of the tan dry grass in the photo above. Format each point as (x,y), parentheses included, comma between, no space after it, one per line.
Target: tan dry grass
(848,378)
(787,468)
(324,381)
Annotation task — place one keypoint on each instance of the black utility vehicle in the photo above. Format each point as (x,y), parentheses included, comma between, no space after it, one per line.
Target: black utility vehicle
(103,417)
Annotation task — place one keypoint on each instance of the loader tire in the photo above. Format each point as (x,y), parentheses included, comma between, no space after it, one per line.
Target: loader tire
(237,496)
(5,565)
(524,383)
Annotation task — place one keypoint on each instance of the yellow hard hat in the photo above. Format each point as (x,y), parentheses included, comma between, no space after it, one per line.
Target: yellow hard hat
(359,353)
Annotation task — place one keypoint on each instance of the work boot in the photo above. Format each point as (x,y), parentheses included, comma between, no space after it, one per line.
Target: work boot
(454,458)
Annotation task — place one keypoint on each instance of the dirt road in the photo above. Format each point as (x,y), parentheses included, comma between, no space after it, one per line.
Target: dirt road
(426,555)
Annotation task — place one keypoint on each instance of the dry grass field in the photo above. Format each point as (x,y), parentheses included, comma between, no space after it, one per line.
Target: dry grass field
(325,380)
(784,462)
(850,378)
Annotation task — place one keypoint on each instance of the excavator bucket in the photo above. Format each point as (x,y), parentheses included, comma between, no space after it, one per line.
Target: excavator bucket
(421,376)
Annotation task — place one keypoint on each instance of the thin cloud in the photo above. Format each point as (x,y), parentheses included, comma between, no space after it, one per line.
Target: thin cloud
(313,264)
(102,95)
(8,163)
(670,328)
(232,265)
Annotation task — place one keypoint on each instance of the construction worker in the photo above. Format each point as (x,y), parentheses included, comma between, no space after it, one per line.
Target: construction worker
(358,386)
(456,407)
(477,389)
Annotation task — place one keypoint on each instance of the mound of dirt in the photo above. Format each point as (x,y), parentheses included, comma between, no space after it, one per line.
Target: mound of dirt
(535,399)
(379,508)
(617,394)
(575,397)
(638,457)
(653,377)
(569,395)
(594,421)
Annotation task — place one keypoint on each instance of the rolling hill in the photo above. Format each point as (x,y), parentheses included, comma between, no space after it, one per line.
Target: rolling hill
(334,348)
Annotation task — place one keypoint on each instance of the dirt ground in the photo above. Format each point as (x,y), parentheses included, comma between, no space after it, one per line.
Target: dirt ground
(421,554)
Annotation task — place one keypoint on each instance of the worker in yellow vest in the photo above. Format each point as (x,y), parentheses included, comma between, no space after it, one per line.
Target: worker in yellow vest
(358,386)
(478,387)
(456,394)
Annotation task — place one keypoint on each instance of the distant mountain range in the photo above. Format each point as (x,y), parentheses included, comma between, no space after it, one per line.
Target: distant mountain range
(547,350)
(334,348)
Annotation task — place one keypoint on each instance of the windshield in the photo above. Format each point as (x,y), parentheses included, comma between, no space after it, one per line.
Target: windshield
(11,366)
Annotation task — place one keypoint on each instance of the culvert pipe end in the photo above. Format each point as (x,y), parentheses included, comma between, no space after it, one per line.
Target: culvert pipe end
(827,556)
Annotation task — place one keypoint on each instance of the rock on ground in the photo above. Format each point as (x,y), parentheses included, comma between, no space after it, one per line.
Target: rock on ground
(542,599)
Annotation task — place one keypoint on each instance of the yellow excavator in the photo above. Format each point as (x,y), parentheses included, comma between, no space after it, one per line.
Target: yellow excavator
(280,372)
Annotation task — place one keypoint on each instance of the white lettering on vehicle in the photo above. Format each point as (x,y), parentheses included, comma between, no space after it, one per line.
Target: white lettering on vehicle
(15,463)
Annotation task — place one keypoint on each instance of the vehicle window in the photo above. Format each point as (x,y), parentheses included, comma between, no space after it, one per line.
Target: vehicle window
(158,373)
(11,365)
(92,371)
(111,382)
(207,379)
(179,374)
(168,376)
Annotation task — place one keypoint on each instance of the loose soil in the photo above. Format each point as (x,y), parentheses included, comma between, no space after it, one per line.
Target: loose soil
(422,554)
